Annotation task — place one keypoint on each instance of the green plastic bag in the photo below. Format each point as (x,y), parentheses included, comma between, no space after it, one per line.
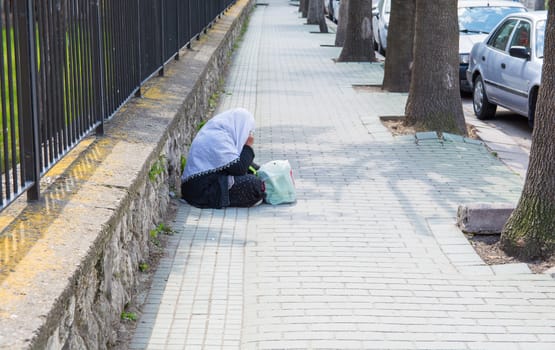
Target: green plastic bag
(277,176)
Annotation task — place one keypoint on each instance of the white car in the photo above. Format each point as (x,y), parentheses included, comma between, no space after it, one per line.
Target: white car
(332,8)
(380,23)
(476,20)
(505,69)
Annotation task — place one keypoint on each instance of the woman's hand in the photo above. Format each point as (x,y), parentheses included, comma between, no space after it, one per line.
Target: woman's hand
(250,140)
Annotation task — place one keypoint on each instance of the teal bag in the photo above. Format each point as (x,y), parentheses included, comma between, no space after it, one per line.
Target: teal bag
(277,176)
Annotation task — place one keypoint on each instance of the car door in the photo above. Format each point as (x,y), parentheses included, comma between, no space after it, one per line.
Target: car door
(513,82)
(384,23)
(377,23)
(492,57)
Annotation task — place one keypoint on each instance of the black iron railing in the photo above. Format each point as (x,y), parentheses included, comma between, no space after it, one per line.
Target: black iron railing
(68,65)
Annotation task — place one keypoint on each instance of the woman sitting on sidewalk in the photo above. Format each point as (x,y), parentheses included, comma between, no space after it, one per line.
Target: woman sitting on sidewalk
(217,171)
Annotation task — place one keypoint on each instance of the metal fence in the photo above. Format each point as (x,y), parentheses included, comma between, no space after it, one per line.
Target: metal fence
(68,65)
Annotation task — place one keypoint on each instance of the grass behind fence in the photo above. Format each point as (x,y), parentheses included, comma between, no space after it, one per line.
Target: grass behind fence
(9,113)
(74,92)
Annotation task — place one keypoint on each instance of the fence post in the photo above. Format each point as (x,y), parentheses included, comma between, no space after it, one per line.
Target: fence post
(28,104)
(98,67)
(162,37)
(138,92)
(178,34)
(189,24)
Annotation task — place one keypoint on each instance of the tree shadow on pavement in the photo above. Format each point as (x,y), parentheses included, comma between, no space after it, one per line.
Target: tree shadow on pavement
(427,179)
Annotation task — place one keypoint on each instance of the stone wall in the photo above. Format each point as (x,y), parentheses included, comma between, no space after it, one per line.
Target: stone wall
(69,290)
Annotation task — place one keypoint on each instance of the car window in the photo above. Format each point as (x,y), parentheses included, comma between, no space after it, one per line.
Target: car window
(521,37)
(482,19)
(540,36)
(501,37)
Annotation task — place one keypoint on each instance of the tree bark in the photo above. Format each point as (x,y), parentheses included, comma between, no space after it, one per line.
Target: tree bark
(399,46)
(359,41)
(341,24)
(530,231)
(303,8)
(434,101)
(316,14)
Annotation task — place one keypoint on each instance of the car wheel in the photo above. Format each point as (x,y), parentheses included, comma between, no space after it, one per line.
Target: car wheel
(532,107)
(482,107)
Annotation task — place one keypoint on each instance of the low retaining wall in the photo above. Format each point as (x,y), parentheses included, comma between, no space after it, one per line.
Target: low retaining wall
(70,286)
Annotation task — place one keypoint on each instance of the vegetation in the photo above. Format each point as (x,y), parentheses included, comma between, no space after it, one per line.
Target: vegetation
(200,125)
(156,169)
(129,316)
(213,102)
(183,162)
(144,267)
(162,229)
(9,112)
(158,230)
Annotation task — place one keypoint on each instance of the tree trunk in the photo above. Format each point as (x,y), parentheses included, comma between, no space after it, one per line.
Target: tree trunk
(316,14)
(341,24)
(303,8)
(530,231)
(359,41)
(399,46)
(434,101)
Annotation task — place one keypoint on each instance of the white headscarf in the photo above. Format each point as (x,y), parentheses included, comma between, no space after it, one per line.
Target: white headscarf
(219,142)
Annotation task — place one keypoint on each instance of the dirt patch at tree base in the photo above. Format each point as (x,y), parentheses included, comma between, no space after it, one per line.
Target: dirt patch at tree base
(486,246)
(396,126)
(489,249)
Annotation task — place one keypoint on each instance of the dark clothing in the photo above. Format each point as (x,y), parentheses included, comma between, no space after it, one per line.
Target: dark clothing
(206,191)
(246,191)
(241,167)
(211,190)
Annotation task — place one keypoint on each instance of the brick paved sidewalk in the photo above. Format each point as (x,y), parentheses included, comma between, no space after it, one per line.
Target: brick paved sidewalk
(368,257)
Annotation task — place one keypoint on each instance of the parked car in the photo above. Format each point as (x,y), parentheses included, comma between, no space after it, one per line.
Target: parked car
(332,8)
(380,24)
(505,69)
(476,20)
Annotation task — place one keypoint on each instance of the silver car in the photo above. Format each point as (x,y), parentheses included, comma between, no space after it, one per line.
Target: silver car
(332,8)
(380,24)
(505,69)
(477,18)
